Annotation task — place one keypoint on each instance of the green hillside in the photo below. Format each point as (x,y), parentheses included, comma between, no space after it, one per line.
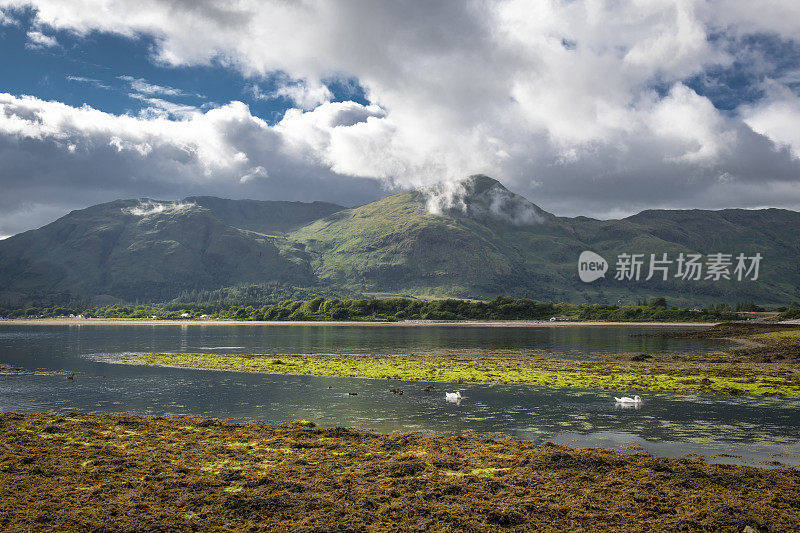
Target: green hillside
(109,250)
(479,242)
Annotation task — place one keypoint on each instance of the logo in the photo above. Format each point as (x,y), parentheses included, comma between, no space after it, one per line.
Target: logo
(591,266)
(661,267)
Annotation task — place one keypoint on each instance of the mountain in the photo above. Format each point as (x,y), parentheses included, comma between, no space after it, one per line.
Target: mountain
(472,239)
(268,217)
(146,250)
(472,247)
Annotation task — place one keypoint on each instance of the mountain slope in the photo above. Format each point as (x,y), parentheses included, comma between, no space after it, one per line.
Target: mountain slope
(269,217)
(143,250)
(397,245)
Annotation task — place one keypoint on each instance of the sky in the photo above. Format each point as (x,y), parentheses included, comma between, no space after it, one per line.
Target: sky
(595,108)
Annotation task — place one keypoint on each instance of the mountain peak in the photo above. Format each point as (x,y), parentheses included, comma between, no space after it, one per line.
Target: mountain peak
(481,183)
(480,197)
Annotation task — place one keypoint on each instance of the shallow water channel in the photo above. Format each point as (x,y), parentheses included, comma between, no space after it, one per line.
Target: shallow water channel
(749,430)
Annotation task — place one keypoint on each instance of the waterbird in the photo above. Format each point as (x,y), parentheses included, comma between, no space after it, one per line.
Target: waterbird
(453,396)
(628,399)
(352,393)
(428,388)
(71,376)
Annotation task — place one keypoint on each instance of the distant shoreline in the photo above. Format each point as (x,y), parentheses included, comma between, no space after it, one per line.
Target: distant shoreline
(410,323)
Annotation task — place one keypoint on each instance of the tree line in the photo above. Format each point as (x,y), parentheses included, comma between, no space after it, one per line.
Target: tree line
(392,309)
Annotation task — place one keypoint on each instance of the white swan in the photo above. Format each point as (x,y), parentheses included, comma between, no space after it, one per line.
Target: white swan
(626,399)
(453,396)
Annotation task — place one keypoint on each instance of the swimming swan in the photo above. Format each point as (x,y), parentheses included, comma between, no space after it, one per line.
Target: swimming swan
(453,396)
(626,399)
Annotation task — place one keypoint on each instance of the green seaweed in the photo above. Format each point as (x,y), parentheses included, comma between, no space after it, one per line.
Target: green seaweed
(720,374)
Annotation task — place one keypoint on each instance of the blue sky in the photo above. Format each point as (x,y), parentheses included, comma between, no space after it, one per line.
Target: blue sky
(96,69)
(586,108)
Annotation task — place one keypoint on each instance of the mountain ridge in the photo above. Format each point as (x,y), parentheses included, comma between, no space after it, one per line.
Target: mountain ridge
(476,239)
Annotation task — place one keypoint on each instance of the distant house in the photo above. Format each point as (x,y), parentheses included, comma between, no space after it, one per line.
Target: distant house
(184,315)
(203,317)
(559,318)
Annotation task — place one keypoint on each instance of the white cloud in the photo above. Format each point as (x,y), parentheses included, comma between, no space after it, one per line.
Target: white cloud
(7,20)
(304,96)
(158,107)
(777,117)
(299,92)
(581,105)
(89,81)
(149,207)
(202,141)
(780,17)
(699,133)
(38,40)
(53,154)
(144,87)
(254,173)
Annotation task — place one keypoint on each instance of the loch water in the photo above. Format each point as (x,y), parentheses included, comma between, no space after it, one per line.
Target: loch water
(744,430)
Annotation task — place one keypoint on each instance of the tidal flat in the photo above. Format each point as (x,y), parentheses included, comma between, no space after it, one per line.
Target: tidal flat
(765,363)
(96,472)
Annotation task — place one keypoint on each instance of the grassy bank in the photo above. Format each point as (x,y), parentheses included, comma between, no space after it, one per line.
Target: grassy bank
(719,373)
(113,473)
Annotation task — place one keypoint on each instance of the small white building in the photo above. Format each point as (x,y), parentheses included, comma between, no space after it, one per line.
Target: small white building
(184,315)
(559,318)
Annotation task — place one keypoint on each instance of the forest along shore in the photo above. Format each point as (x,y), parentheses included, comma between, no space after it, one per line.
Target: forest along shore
(765,361)
(106,472)
(405,323)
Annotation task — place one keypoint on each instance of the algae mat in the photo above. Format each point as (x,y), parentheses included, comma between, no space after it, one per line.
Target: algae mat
(125,473)
(716,373)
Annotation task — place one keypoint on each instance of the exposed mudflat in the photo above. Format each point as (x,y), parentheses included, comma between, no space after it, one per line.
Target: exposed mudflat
(126,473)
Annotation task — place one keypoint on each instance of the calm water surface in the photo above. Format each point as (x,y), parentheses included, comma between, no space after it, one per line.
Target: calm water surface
(723,429)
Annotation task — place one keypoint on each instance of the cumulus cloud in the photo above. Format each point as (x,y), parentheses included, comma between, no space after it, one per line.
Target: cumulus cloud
(777,117)
(585,107)
(56,157)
